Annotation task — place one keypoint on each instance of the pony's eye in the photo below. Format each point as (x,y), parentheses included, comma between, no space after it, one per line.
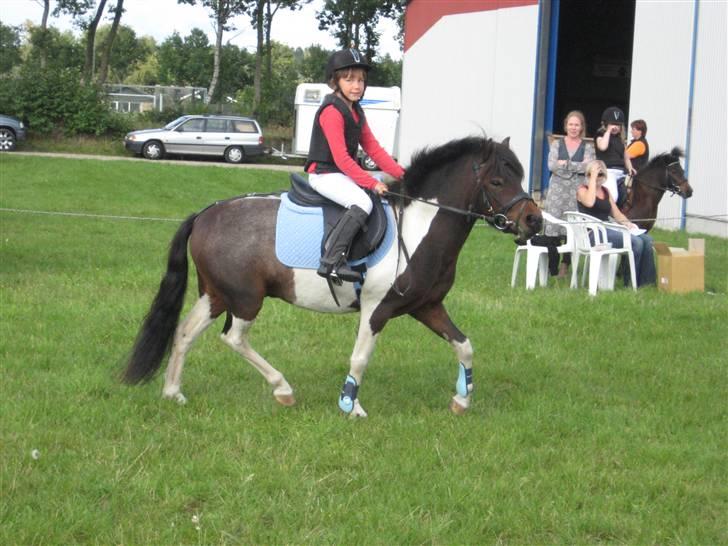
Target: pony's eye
(496,181)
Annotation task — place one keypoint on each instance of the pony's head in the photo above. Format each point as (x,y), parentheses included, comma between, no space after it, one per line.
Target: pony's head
(505,204)
(674,179)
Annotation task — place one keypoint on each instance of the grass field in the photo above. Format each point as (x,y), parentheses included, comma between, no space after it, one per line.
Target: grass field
(595,420)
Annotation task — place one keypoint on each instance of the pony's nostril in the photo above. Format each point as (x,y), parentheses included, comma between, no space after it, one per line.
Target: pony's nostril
(534,221)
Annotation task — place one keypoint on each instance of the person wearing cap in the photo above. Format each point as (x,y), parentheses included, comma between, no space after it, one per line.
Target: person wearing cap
(339,128)
(638,149)
(610,149)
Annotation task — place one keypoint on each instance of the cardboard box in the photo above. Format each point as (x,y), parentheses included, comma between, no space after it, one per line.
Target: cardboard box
(679,269)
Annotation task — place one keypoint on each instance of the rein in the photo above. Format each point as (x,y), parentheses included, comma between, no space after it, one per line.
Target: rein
(498,220)
(671,186)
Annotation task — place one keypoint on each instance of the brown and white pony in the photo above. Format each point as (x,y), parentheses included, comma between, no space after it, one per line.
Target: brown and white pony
(446,189)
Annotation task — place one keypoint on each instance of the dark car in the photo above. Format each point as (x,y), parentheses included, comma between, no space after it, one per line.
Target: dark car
(11,131)
(234,138)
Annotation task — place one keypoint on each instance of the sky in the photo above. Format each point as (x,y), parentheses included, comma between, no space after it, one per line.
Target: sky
(160,18)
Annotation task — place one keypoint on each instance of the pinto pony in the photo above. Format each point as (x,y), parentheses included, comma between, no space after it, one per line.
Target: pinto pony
(232,243)
(663,173)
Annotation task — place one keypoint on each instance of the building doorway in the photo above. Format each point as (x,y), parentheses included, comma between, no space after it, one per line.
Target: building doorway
(589,63)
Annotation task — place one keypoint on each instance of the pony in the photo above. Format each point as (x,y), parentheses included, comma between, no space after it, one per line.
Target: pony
(663,173)
(444,191)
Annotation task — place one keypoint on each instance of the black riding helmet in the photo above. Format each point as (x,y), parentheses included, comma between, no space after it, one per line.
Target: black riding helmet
(613,115)
(346,58)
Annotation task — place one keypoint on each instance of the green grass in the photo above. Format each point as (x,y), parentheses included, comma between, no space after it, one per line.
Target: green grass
(595,420)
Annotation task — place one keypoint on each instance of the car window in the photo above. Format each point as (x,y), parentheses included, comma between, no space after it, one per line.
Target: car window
(216,126)
(243,126)
(192,126)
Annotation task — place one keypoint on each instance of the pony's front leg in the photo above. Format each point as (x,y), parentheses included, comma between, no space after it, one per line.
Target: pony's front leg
(365,341)
(435,317)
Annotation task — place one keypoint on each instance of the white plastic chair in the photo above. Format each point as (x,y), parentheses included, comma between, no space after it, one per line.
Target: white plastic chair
(537,258)
(598,253)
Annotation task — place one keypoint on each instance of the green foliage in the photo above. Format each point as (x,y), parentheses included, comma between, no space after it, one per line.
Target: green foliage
(594,420)
(10,48)
(63,50)
(56,100)
(186,61)
(128,51)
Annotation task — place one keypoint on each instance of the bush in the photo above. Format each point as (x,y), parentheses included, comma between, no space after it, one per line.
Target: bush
(56,101)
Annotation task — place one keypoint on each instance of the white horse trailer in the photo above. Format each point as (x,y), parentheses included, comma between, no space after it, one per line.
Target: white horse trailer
(381,106)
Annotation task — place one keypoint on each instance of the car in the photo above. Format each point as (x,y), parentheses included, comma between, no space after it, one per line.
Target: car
(234,138)
(12,130)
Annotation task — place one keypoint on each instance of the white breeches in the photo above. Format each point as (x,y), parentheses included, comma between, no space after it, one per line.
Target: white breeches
(341,189)
(611,184)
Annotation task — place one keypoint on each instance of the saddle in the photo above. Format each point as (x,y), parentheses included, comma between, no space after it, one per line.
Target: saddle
(368,239)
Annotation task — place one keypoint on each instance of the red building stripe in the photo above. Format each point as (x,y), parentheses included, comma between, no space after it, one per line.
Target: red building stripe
(421,15)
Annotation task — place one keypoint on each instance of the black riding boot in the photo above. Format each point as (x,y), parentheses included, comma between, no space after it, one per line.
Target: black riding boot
(333,262)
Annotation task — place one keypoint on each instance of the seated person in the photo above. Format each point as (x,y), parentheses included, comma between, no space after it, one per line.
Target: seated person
(593,199)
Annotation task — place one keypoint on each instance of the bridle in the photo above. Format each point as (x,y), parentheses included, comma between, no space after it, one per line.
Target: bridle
(672,186)
(498,219)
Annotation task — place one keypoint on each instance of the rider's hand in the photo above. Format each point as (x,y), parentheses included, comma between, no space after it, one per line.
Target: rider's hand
(380,188)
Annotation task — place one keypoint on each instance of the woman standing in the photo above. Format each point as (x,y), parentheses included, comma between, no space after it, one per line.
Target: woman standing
(568,158)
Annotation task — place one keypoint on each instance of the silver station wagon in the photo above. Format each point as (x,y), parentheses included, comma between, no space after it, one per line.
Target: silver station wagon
(234,138)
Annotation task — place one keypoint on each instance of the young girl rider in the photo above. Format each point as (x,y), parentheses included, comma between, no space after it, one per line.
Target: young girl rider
(610,149)
(339,128)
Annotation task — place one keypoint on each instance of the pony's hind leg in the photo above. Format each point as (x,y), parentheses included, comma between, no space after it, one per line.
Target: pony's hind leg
(192,326)
(237,338)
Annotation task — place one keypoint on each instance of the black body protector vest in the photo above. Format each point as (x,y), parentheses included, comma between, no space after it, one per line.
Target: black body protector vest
(319,151)
(613,156)
(641,161)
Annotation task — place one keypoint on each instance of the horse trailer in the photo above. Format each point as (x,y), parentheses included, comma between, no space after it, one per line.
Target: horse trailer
(381,106)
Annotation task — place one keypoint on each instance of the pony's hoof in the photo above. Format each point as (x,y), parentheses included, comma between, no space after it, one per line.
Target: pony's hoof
(287,400)
(177,397)
(459,405)
(357,411)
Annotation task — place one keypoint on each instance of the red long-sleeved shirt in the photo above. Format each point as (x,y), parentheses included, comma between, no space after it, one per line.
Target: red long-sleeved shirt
(332,124)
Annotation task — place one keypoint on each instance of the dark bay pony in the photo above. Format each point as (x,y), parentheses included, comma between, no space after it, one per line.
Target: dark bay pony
(445,190)
(663,173)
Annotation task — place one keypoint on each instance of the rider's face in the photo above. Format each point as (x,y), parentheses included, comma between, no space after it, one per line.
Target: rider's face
(352,84)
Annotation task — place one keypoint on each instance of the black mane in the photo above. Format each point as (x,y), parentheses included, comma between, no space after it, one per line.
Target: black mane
(427,160)
(664,159)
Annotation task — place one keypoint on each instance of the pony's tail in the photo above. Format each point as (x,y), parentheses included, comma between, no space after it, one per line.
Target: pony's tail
(157,332)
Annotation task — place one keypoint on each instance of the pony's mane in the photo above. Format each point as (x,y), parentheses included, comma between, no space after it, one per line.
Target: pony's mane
(428,159)
(665,158)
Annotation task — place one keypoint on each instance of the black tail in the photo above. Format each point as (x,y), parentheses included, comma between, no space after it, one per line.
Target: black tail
(157,333)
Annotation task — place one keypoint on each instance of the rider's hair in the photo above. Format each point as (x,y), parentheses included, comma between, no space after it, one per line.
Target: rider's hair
(640,125)
(343,73)
(580,115)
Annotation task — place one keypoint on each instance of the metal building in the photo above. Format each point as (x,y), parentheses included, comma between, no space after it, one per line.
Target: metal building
(516,67)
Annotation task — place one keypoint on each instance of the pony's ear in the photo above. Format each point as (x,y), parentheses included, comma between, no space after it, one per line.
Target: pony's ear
(677,152)
(507,142)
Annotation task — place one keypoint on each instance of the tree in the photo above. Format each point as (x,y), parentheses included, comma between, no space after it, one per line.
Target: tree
(311,63)
(223,11)
(108,43)
(78,9)
(354,22)
(10,46)
(128,52)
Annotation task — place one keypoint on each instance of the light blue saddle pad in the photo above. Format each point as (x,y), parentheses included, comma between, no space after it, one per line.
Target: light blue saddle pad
(299,231)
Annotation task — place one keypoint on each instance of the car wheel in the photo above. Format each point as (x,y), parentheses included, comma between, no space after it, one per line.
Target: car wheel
(234,154)
(368,163)
(153,150)
(7,140)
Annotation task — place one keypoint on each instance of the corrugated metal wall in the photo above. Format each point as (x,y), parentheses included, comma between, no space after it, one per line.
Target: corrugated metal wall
(660,88)
(707,163)
(470,73)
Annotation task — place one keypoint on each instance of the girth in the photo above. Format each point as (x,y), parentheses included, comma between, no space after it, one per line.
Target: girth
(368,239)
